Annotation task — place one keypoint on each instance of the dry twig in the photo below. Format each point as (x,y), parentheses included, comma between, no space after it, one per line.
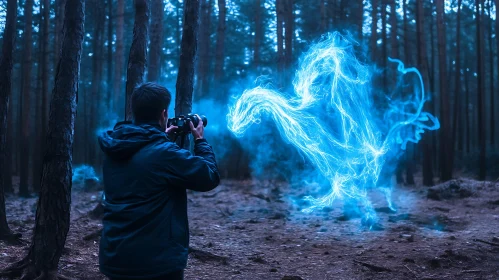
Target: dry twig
(373,267)
(487,242)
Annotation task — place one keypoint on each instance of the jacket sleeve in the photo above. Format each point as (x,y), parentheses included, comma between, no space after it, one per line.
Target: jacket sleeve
(198,172)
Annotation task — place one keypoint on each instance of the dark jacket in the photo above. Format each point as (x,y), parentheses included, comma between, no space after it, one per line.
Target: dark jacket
(145,229)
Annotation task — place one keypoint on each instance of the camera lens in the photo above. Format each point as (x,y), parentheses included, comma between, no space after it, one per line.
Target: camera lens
(205,120)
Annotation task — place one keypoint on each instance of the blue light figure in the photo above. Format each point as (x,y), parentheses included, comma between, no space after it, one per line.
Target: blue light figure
(332,121)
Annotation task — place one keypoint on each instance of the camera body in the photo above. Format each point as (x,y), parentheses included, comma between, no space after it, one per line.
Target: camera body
(182,122)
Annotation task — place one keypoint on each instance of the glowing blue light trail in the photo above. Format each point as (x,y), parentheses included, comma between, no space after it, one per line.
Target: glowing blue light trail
(332,121)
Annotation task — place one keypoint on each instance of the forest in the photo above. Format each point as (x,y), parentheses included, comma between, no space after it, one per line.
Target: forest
(67,71)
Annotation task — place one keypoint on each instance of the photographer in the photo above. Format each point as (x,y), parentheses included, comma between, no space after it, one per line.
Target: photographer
(145,229)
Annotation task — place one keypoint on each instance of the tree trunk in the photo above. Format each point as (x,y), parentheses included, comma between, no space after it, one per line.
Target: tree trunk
(97,62)
(179,30)
(374,30)
(491,67)
(360,19)
(185,78)
(394,54)
(446,139)
(220,48)
(59,21)
(137,59)
(26,102)
(109,56)
(467,109)
(156,41)
(289,34)
(6,63)
(332,14)
(53,211)
(480,91)
(203,62)
(394,30)
(497,39)
(36,170)
(407,53)
(41,128)
(280,37)
(120,56)
(423,65)
(433,146)
(384,36)
(409,159)
(7,158)
(258,33)
(59,25)
(322,7)
(457,86)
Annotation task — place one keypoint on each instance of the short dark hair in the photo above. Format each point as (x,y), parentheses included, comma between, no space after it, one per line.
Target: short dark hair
(148,102)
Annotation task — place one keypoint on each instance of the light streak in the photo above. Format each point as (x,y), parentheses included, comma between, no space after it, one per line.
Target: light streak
(332,120)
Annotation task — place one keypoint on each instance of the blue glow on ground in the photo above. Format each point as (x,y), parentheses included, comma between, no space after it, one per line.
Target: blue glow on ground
(332,120)
(84,173)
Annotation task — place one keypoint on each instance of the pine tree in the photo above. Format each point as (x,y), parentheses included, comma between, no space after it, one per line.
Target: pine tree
(137,59)
(53,211)
(6,63)
(188,45)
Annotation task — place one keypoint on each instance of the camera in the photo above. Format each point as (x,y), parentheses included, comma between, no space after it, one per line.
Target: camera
(182,122)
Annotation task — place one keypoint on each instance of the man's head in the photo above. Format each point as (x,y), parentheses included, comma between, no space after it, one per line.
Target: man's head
(150,104)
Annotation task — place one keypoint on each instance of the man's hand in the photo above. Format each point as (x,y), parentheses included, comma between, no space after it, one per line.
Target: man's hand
(197,132)
(170,129)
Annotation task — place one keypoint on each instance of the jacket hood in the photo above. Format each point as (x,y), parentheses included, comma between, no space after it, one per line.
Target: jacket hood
(128,138)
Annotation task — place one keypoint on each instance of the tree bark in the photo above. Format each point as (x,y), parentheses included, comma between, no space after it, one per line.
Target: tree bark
(58,33)
(120,56)
(53,212)
(137,59)
(156,41)
(423,65)
(446,139)
(480,91)
(185,78)
(26,102)
(220,48)
(203,62)
(59,21)
(6,63)
(45,66)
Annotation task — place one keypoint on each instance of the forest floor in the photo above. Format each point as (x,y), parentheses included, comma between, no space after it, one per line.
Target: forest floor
(251,230)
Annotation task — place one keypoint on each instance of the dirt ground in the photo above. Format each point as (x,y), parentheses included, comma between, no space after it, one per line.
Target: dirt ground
(252,230)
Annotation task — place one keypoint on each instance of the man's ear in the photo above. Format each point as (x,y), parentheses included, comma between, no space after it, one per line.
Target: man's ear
(165,114)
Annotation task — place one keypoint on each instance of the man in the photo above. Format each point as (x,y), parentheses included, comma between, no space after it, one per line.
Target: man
(145,230)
